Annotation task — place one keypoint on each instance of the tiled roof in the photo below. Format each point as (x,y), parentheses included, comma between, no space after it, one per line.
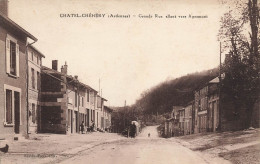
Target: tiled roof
(5,19)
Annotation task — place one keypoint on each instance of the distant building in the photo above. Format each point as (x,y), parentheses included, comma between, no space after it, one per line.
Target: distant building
(181,120)
(201,109)
(207,107)
(213,105)
(173,124)
(107,118)
(66,102)
(188,110)
(13,63)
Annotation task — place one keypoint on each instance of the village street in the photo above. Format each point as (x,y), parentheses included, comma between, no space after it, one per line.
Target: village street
(141,150)
(107,148)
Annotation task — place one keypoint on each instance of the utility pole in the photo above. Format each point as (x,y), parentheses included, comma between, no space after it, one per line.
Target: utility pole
(78,100)
(219,90)
(124,115)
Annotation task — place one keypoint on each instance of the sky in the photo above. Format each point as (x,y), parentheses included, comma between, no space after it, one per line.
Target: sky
(128,55)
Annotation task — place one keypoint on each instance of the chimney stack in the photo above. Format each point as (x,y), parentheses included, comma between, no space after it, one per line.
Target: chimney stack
(4,7)
(55,65)
(64,69)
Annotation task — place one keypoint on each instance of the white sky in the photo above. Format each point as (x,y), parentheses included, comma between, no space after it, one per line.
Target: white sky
(128,55)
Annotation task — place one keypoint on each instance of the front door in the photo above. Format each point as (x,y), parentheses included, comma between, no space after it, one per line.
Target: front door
(16,112)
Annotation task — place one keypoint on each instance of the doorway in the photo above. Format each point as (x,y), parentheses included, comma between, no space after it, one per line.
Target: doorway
(16,112)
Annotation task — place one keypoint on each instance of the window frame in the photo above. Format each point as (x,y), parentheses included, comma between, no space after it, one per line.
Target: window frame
(13,89)
(8,62)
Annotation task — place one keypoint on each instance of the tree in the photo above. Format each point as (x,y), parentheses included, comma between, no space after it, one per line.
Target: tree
(240,35)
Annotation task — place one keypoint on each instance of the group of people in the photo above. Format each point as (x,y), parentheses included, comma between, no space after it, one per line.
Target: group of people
(91,128)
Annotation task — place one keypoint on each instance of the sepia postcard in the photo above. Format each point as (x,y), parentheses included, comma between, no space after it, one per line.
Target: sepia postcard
(129,81)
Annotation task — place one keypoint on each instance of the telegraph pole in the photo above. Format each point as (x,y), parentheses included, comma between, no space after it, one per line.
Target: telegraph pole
(219,89)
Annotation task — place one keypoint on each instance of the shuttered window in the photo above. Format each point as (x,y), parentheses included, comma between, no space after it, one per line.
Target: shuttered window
(12,56)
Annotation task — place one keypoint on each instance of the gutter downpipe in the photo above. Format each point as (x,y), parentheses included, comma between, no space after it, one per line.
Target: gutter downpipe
(27,86)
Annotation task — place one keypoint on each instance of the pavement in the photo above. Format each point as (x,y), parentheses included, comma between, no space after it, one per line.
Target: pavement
(47,148)
(110,148)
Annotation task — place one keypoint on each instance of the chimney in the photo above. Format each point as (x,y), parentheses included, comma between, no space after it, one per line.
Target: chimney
(62,69)
(55,65)
(65,69)
(4,7)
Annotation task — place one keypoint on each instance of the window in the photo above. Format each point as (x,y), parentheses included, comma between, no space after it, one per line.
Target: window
(82,101)
(38,80)
(76,103)
(32,55)
(12,56)
(33,78)
(37,59)
(199,106)
(33,113)
(87,95)
(9,107)
(12,106)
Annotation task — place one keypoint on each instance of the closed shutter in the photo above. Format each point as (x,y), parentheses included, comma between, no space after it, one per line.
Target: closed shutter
(17,61)
(7,55)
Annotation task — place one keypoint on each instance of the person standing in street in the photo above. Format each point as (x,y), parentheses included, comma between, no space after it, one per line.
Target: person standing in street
(82,127)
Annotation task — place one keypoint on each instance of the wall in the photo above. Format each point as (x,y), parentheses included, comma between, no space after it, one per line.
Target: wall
(20,82)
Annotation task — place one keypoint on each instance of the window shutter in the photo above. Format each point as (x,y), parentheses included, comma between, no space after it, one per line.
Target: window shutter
(7,55)
(17,61)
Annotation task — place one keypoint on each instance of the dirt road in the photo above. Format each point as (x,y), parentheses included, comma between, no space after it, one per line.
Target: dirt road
(140,150)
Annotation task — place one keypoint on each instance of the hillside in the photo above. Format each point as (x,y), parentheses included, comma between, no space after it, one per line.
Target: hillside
(176,92)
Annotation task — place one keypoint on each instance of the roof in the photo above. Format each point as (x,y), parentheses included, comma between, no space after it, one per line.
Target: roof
(102,98)
(5,19)
(110,109)
(44,68)
(215,80)
(31,46)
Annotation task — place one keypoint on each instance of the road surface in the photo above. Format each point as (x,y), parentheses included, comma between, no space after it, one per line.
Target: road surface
(140,150)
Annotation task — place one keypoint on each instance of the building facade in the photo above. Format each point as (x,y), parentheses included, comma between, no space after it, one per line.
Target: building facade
(34,58)
(107,117)
(201,108)
(13,76)
(66,102)
(188,119)
(213,105)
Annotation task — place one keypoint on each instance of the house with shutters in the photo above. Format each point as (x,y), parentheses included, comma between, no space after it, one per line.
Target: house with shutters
(13,71)
(34,59)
